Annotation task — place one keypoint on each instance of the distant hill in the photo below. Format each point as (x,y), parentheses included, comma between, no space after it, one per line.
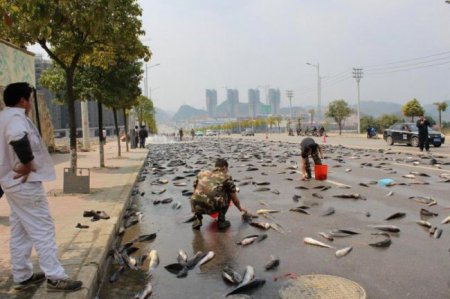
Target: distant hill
(162,117)
(377,109)
(187,112)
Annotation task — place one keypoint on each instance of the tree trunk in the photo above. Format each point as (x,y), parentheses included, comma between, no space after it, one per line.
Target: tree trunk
(101,138)
(72,124)
(119,153)
(340,128)
(440,122)
(125,122)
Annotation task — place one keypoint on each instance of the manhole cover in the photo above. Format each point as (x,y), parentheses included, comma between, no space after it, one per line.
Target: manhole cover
(321,287)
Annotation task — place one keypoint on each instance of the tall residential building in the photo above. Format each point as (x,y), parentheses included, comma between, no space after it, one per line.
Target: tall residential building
(253,102)
(233,103)
(274,101)
(211,102)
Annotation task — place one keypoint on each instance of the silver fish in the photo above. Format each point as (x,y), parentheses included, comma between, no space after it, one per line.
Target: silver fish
(209,256)
(147,291)
(424,223)
(446,220)
(154,262)
(343,252)
(397,215)
(262,225)
(387,228)
(425,212)
(384,243)
(182,257)
(248,275)
(311,241)
(265,211)
(326,236)
(230,275)
(159,191)
(329,211)
(437,233)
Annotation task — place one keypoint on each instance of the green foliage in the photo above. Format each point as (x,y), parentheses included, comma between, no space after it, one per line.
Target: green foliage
(412,108)
(387,120)
(145,112)
(93,32)
(368,120)
(339,111)
(442,106)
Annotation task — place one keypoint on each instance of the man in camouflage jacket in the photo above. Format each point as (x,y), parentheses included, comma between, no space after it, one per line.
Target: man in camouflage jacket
(213,191)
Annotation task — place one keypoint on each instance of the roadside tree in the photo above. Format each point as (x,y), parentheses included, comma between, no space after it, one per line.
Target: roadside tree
(339,111)
(412,108)
(74,32)
(387,120)
(442,106)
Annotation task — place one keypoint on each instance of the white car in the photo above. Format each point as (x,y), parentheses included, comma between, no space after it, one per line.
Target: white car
(211,133)
(248,132)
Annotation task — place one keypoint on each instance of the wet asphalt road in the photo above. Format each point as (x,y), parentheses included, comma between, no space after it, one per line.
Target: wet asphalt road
(414,266)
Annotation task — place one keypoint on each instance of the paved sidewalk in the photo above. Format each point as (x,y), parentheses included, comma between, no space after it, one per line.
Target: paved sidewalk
(82,251)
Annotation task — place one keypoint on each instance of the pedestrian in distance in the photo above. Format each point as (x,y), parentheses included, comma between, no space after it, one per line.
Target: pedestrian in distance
(192,133)
(180,132)
(143,134)
(214,189)
(422,125)
(136,136)
(24,164)
(309,148)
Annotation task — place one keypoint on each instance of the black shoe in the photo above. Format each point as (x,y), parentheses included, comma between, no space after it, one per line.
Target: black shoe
(63,285)
(35,279)
(90,213)
(79,225)
(197,222)
(223,224)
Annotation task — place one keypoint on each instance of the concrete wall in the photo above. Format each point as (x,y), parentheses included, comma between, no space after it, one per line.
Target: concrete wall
(17,65)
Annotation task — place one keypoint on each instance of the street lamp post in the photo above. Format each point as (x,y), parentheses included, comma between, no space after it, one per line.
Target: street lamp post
(290,94)
(357,74)
(319,79)
(146,78)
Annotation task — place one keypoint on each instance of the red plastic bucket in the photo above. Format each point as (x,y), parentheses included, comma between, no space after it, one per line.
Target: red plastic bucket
(216,214)
(320,172)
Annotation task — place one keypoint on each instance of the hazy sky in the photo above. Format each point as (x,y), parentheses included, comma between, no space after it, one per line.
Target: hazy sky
(214,44)
(244,44)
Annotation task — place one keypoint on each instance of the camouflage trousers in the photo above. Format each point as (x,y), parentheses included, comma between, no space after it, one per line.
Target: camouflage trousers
(317,161)
(209,206)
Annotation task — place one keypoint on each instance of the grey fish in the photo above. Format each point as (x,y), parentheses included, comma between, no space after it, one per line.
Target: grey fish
(275,191)
(274,262)
(262,183)
(255,283)
(178,184)
(296,197)
(302,188)
(245,183)
(231,275)
(159,191)
(261,189)
(317,195)
(252,238)
(364,185)
(248,275)
(384,243)
(167,200)
(190,219)
(301,209)
(329,211)
(437,234)
(425,200)
(397,215)
(425,212)
(209,256)
(386,228)
(144,238)
(353,196)
(176,205)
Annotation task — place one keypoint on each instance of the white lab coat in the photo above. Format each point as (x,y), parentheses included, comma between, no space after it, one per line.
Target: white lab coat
(30,220)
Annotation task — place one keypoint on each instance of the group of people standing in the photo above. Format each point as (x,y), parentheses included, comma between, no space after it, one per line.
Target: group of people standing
(139,136)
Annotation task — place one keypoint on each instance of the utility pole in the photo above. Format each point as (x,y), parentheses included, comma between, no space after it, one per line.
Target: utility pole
(357,74)
(290,94)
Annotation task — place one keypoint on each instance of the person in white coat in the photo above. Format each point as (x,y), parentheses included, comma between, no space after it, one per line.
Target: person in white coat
(24,164)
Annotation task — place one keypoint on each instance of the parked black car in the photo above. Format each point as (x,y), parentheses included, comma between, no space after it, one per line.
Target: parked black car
(407,133)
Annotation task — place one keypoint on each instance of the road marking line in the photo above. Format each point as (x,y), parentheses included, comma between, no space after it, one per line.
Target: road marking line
(419,166)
